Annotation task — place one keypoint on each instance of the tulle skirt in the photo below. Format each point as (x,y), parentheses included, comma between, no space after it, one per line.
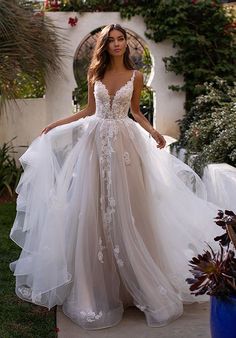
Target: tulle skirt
(105,220)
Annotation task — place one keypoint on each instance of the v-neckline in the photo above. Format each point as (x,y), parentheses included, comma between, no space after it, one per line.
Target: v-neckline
(118,90)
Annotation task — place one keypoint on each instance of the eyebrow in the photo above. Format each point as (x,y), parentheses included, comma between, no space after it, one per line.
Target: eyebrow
(120,36)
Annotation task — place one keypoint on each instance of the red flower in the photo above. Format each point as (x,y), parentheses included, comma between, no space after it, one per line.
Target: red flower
(194,2)
(56,329)
(73,21)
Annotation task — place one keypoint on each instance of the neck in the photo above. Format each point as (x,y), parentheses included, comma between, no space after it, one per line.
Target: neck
(117,64)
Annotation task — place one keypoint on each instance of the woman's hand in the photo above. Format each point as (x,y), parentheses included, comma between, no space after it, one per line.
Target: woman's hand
(48,128)
(161,142)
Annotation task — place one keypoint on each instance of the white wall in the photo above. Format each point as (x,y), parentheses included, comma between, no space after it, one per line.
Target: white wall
(24,119)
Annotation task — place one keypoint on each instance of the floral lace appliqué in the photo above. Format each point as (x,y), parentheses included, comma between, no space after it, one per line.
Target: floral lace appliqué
(118,259)
(126,157)
(108,134)
(100,251)
(27,293)
(113,107)
(90,316)
(141,307)
(162,290)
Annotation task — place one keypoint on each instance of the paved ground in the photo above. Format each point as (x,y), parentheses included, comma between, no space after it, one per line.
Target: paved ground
(193,324)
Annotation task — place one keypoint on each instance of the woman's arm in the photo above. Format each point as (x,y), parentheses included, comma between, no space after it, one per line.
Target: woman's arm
(88,110)
(137,114)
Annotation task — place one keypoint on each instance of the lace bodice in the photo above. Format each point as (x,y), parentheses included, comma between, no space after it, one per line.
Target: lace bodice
(113,107)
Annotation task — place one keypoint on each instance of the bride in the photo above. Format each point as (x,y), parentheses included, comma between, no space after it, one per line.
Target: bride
(106,218)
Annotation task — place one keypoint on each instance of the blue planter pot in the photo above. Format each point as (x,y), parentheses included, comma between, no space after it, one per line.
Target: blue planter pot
(223,317)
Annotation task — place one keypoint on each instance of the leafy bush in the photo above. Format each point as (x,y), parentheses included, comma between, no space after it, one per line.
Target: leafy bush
(86,6)
(210,127)
(9,172)
(28,87)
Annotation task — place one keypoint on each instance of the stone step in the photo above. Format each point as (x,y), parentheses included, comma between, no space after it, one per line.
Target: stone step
(193,324)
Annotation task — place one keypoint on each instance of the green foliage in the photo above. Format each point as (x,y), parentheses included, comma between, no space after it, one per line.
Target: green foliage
(146,63)
(80,93)
(210,127)
(146,103)
(9,172)
(89,6)
(28,87)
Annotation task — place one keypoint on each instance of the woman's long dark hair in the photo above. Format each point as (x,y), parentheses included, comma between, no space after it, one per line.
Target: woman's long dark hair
(101,57)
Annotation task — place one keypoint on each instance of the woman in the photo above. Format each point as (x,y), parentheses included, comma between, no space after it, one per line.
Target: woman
(105,219)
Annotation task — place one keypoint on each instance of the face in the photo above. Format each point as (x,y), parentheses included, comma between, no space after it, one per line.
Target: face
(116,43)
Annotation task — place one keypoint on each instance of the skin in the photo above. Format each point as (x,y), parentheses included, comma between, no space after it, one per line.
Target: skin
(116,70)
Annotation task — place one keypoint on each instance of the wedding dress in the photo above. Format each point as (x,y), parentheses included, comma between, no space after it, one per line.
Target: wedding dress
(105,219)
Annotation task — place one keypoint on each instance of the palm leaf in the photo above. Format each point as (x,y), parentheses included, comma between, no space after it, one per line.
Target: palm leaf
(29,44)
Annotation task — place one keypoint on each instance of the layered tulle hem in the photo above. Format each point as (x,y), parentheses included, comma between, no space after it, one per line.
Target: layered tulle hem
(98,204)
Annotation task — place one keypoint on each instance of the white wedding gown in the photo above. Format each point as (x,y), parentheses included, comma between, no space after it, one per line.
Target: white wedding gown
(105,219)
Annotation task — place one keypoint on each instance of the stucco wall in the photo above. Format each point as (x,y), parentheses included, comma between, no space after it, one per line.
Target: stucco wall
(24,119)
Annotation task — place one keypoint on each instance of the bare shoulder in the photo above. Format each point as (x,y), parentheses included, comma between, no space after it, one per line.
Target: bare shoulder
(138,75)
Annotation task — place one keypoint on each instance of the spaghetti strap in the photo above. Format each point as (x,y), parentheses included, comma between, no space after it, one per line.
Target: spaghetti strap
(133,76)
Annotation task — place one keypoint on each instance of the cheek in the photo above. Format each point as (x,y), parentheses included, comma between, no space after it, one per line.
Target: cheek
(123,44)
(109,46)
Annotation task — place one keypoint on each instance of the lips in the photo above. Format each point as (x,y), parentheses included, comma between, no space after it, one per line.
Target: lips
(117,50)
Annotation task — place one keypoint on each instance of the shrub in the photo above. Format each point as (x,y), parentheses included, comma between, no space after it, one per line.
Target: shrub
(210,127)
(9,172)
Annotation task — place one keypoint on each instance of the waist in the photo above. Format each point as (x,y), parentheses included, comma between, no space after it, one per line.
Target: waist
(108,117)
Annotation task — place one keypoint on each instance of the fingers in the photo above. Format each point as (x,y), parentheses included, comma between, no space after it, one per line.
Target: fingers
(160,146)
(161,143)
(45,130)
